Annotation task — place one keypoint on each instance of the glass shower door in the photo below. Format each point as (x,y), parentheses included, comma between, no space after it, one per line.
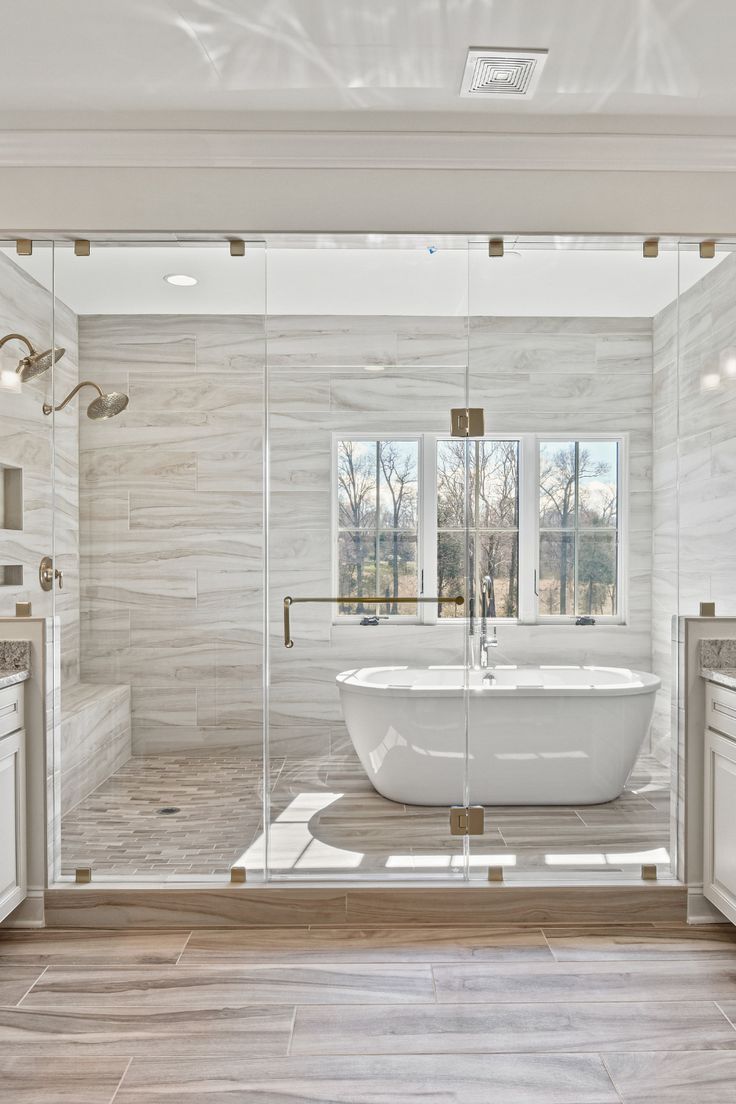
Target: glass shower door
(366,558)
(571,356)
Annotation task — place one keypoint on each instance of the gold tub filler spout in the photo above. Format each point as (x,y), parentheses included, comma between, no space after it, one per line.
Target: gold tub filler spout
(354,599)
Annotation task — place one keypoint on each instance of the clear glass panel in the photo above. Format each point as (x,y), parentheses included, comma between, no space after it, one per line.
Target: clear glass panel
(556,583)
(596,575)
(697,425)
(558,484)
(160,506)
(597,484)
(367,351)
(27,511)
(572,352)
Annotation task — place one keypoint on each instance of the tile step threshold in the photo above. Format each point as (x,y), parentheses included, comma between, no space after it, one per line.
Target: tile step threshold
(397,904)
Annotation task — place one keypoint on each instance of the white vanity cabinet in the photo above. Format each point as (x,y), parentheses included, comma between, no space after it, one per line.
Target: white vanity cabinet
(12,799)
(719,872)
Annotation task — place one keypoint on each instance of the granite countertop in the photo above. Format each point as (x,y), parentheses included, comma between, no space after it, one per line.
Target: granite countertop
(9,678)
(15,662)
(724,676)
(718,661)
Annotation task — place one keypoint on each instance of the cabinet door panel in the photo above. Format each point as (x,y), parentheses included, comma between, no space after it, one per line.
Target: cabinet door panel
(12,823)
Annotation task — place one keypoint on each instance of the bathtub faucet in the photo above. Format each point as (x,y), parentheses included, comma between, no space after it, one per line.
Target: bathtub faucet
(486,641)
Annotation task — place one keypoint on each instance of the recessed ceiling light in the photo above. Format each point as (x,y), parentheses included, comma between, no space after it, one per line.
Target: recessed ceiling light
(180,279)
(494,73)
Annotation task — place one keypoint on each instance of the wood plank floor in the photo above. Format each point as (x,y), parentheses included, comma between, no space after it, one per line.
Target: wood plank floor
(479,1015)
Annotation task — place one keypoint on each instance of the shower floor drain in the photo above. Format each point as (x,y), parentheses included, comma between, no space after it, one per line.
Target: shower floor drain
(168,810)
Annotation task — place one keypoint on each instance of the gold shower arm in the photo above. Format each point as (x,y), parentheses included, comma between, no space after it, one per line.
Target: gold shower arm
(353,599)
(47,408)
(17,337)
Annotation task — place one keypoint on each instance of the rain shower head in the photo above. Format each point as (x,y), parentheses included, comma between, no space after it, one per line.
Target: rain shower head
(107,406)
(35,363)
(104,406)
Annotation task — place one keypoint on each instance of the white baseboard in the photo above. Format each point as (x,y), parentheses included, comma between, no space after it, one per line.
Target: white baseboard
(29,913)
(700,910)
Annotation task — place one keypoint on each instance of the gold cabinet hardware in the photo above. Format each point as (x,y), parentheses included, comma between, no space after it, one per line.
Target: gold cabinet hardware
(354,599)
(24,247)
(237,875)
(495,247)
(495,873)
(81,247)
(649,872)
(83,875)
(237,248)
(467,820)
(467,421)
(707,609)
(707,250)
(651,247)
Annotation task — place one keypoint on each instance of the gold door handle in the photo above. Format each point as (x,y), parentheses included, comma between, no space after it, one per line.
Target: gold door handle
(47,573)
(456,600)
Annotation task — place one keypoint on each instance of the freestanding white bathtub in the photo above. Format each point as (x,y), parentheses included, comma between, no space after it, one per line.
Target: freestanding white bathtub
(535,735)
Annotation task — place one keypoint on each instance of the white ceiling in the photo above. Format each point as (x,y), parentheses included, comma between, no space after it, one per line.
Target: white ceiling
(527,281)
(606,57)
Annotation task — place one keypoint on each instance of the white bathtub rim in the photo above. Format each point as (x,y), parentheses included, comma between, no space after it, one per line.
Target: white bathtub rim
(350,681)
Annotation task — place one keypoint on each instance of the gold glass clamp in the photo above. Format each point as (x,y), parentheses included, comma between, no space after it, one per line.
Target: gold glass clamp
(354,599)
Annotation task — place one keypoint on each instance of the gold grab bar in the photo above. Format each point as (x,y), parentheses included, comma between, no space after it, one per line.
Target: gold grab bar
(353,599)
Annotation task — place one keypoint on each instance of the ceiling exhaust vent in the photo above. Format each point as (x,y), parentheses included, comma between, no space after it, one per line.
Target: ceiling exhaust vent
(502,73)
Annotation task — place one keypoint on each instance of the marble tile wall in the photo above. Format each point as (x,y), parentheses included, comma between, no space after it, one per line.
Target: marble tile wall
(170,526)
(171,500)
(25,442)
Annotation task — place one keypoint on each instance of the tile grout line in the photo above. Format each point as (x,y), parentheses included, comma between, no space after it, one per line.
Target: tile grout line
(186,944)
(291,1033)
(602,1060)
(728,1018)
(35,982)
(122,1076)
(546,940)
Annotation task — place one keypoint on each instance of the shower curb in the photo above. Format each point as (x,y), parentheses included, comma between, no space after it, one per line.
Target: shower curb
(269,906)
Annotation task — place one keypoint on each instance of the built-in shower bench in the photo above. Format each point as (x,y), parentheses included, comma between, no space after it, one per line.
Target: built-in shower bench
(95,737)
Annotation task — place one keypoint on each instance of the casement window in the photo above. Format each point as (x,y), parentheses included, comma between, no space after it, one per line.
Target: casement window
(539,518)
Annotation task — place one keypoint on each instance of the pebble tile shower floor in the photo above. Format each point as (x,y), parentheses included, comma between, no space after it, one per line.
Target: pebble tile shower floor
(329,819)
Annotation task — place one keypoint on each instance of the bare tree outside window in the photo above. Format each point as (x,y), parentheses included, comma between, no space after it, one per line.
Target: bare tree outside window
(578,528)
(377,520)
(490,498)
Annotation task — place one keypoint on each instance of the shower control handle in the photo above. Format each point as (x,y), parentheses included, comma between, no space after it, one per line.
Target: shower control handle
(47,573)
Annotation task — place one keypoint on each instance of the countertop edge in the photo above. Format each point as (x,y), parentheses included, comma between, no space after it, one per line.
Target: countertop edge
(10,678)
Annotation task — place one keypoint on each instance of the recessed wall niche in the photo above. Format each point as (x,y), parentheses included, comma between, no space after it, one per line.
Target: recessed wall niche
(11,497)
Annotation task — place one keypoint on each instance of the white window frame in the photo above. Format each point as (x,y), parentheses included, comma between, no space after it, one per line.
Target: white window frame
(529,464)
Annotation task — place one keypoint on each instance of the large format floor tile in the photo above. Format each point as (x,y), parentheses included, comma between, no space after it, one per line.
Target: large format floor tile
(15,981)
(179,989)
(510,1028)
(419,1079)
(235,1032)
(366,945)
(585,981)
(656,943)
(90,947)
(59,1080)
(674,1078)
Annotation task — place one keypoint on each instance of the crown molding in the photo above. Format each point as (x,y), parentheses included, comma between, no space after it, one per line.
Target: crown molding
(571,152)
